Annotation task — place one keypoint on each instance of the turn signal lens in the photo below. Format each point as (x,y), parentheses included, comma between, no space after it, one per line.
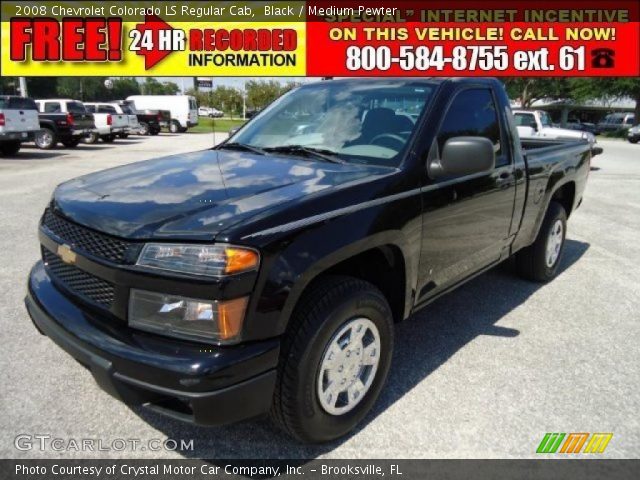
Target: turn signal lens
(240,260)
(230,317)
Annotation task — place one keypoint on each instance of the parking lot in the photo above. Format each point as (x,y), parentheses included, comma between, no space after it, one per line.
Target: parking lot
(484,372)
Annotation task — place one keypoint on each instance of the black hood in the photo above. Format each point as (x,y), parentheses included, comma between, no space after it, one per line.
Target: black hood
(196,195)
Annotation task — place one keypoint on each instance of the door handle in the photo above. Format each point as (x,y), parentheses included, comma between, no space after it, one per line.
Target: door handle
(504,180)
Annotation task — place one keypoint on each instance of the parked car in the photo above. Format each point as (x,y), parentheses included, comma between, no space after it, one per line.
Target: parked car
(183,108)
(62,120)
(150,121)
(537,124)
(210,112)
(633,135)
(583,127)
(133,125)
(109,124)
(266,274)
(616,121)
(18,123)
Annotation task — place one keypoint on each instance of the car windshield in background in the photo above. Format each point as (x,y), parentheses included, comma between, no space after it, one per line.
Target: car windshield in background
(76,107)
(363,122)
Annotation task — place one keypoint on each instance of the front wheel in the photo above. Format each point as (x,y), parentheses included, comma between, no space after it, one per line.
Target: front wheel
(539,261)
(144,128)
(123,135)
(10,148)
(634,140)
(335,359)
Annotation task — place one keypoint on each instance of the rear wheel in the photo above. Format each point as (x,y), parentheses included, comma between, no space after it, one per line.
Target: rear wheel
(174,126)
(46,139)
(155,131)
(108,138)
(123,135)
(144,128)
(539,261)
(335,359)
(9,148)
(634,140)
(91,138)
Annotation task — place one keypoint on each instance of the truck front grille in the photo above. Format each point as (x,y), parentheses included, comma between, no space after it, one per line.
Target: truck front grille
(79,282)
(85,239)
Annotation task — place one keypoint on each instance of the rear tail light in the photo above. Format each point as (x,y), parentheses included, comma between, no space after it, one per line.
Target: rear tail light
(69,119)
(109,119)
(2,120)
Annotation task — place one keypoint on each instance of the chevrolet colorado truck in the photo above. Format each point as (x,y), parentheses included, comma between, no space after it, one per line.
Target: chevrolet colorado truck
(63,120)
(18,123)
(266,274)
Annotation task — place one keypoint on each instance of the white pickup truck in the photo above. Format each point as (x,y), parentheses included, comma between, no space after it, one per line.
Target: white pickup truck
(133,124)
(537,124)
(109,122)
(18,123)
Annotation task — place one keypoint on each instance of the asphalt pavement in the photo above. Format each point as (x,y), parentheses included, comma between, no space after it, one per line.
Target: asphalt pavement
(484,372)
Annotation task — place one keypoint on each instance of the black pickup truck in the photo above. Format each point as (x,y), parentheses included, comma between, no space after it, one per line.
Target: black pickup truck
(62,120)
(151,121)
(266,274)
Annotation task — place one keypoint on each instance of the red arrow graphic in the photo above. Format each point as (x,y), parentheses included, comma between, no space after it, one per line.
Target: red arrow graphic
(152,24)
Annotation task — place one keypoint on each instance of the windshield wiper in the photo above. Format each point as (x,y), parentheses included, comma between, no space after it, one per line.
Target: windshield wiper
(241,146)
(321,153)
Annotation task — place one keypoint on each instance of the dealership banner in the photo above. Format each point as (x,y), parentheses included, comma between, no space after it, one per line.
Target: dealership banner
(321,38)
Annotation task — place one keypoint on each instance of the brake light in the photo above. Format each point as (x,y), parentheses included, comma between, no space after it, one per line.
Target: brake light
(109,119)
(2,120)
(69,119)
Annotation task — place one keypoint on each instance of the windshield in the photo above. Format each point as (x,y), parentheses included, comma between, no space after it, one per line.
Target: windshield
(545,119)
(363,121)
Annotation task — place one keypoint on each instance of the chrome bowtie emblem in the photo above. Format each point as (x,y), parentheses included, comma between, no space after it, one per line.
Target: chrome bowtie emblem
(66,254)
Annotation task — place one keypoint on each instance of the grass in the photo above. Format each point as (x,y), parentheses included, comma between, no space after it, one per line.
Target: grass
(208,125)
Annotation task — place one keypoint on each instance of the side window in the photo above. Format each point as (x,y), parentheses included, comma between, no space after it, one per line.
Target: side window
(106,109)
(473,113)
(90,108)
(525,119)
(52,107)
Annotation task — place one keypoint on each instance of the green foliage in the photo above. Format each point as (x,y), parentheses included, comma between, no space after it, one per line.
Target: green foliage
(530,89)
(151,86)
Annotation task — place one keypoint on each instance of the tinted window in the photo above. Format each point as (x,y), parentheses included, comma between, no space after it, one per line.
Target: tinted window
(52,107)
(17,103)
(127,109)
(76,107)
(90,108)
(473,113)
(106,109)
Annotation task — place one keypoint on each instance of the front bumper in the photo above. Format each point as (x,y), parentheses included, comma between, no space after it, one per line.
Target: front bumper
(206,386)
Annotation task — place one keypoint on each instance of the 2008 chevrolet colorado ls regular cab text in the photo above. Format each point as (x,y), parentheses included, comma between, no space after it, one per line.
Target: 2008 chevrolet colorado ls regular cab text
(266,274)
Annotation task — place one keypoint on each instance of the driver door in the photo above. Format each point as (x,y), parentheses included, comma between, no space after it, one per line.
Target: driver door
(466,220)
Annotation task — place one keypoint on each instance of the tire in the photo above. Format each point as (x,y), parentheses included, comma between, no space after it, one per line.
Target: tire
(91,138)
(536,262)
(108,138)
(633,140)
(332,304)
(123,135)
(183,129)
(144,128)
(10,148)
(72,143)
(174,126)
(46,139)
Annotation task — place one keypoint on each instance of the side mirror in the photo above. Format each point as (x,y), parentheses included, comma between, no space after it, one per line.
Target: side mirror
(463,156)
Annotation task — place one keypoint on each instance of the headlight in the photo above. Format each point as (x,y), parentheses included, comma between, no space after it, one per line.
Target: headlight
(190,318)
(210,260)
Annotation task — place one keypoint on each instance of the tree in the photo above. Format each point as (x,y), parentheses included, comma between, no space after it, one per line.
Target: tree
(607,89)
(124,87)
(87,89)
(260,93)
(151,86)
(529,89)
